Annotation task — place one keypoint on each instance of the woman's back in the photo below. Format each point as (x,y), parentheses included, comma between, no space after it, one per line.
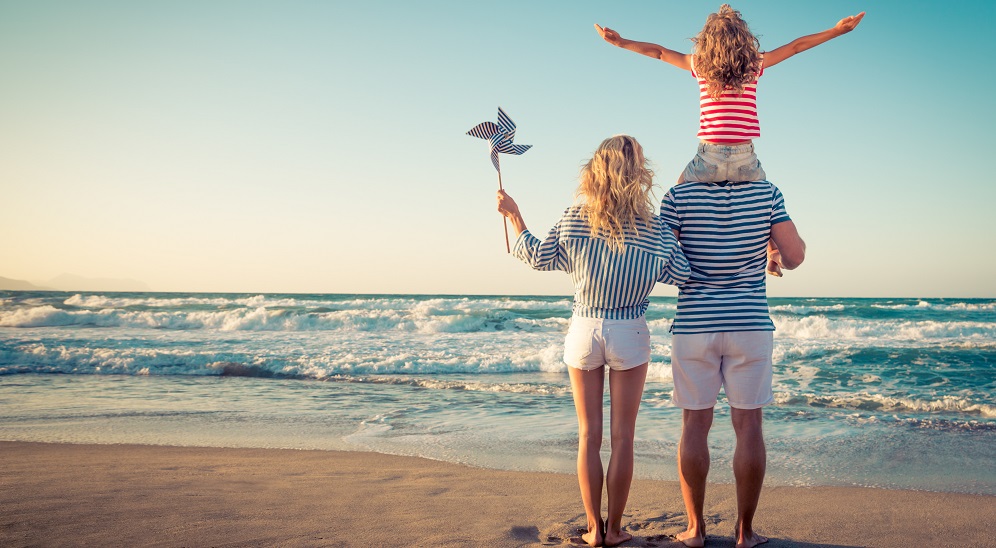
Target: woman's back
(608,283)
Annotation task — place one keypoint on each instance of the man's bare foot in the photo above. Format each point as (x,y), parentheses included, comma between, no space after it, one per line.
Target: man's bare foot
(774,269)
(615,538)
(749,542)
(594,536)
(692,538)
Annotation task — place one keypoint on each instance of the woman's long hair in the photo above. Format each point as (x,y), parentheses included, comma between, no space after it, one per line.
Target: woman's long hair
(616,190)
(726,52)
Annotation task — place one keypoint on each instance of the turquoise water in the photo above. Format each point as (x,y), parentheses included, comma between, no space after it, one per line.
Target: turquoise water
(881,392)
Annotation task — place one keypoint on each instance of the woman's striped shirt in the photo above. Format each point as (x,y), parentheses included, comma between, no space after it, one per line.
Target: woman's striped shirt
(724,230)
(607,284)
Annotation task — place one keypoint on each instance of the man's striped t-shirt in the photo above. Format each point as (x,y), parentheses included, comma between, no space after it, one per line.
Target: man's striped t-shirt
(732,118)
(724,230)
(607,284)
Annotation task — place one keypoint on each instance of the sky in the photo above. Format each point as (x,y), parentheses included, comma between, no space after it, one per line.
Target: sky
(320,147)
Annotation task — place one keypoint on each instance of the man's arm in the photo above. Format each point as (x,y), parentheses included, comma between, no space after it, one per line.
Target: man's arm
(790,245)
(777,55)
(680,60)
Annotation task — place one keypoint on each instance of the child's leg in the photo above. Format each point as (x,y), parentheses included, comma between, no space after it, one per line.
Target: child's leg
(774,260)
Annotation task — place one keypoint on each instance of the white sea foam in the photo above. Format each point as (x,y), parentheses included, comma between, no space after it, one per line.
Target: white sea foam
(941,307)
(877,402)
(61,358)
(421,319)
(806,309)
(472,386)
(835,330)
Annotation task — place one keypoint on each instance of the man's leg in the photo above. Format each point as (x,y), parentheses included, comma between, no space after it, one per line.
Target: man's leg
(749,462)
(693,468)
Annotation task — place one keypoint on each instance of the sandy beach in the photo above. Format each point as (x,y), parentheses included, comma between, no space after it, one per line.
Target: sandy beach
(130,495)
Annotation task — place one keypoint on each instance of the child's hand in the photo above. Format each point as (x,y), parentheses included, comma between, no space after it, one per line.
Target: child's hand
(847,24)
(609,35)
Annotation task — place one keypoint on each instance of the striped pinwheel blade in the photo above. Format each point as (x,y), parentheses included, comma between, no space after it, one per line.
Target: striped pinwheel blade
(509,148)
(494,158)
(506,124)
(484,130)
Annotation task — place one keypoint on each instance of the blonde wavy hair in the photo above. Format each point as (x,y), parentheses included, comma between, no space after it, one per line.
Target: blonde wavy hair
(726,52)
(616,190)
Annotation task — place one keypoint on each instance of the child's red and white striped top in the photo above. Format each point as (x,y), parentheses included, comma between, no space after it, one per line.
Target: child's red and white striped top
(731,119)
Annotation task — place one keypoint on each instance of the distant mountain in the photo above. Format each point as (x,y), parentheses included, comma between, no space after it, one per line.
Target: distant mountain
(19,285)
(72,282)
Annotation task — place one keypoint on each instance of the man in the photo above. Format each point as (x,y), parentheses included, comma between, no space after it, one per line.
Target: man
(722,334)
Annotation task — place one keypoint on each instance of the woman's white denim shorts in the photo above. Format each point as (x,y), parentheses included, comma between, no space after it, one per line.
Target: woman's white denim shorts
(718,163)
(595,342)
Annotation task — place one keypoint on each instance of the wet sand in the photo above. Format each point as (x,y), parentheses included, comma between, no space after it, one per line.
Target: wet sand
(129,495)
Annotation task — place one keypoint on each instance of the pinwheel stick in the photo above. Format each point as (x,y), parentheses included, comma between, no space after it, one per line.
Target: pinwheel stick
(504,218)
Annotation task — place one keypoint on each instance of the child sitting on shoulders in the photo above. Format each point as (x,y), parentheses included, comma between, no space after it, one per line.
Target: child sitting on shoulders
(727,64)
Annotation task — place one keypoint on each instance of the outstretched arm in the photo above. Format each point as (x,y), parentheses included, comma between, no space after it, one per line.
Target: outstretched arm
(540,254)
(680,60)
(844,26)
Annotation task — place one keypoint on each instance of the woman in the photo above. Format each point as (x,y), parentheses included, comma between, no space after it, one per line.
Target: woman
(615,249)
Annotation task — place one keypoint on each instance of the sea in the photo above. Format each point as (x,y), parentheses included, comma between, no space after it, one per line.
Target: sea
(885,393)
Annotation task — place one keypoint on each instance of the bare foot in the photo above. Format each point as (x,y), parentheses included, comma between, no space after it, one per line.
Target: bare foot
(615,538)
(594,536)
(692,538)
(750,541)
(774,269)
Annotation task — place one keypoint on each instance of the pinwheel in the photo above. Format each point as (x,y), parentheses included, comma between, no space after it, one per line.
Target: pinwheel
(500,138)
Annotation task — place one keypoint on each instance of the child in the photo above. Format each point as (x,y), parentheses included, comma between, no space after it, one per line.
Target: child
(727,64)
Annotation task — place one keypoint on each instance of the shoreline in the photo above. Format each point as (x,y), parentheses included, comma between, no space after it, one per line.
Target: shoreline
(147,495)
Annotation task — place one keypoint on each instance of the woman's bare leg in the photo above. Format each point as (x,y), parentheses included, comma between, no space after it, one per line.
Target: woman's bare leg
(587,387)
(625,393)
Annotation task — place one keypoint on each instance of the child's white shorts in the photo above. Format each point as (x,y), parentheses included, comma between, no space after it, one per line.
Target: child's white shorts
(737,361)
(595,342)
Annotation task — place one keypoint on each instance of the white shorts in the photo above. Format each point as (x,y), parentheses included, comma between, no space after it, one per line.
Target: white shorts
(595,342)
(737,361)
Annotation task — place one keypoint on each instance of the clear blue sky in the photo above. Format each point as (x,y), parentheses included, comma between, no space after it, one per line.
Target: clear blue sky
(320,147)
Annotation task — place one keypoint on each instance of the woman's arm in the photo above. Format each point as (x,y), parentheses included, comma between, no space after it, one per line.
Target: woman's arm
(844,26)
(508,208)
(680,60)
(541,255)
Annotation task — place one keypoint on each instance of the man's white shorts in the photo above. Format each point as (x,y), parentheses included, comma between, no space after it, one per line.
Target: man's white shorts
(595,342)
(737,361)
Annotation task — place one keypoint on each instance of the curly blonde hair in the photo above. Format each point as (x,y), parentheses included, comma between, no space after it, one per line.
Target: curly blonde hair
(616,188)
(726,52)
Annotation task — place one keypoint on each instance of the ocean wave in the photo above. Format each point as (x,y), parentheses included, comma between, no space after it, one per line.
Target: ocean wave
(423,318)
(69,359)
(471,386)
(805,309)
(97,301)
(943,307)
(865,401)
(835,330)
